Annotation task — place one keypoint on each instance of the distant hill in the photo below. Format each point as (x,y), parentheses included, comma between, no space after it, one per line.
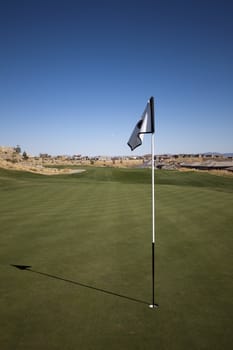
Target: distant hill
(218,154)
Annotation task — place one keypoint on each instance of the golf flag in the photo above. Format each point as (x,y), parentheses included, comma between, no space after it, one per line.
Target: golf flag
(144,126)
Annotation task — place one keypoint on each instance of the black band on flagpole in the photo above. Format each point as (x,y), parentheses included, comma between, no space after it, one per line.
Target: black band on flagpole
(153,273)
(153,305)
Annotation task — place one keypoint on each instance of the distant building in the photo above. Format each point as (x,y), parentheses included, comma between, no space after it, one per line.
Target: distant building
(44,155)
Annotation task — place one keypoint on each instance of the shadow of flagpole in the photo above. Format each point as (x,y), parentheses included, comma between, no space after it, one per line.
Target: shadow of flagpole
(29,268)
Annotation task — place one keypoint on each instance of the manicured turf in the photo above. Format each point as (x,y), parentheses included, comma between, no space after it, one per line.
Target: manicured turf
(88,239)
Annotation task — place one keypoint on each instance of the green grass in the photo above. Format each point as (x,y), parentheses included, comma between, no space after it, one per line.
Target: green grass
(88,239)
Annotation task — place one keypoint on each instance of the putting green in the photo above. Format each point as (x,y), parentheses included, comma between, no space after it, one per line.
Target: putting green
(87,237)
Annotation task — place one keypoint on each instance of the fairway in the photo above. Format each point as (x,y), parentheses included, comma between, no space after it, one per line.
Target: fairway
(87,237)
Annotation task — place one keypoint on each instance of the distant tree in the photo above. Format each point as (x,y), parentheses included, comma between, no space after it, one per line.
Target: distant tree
(25,156)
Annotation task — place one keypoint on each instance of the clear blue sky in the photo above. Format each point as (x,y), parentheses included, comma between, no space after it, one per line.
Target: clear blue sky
(75,76)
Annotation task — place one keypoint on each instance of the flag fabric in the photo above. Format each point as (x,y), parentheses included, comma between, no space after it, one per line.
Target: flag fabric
(144,126)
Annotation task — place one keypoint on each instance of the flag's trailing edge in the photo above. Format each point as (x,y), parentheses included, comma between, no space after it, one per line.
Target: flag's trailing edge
(144,126)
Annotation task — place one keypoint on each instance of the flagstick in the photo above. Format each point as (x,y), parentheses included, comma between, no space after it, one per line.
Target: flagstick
(146,126)
(153,305)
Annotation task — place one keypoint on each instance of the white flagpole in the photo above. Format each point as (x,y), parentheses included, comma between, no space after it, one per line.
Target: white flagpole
(153,185)
(153,305)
